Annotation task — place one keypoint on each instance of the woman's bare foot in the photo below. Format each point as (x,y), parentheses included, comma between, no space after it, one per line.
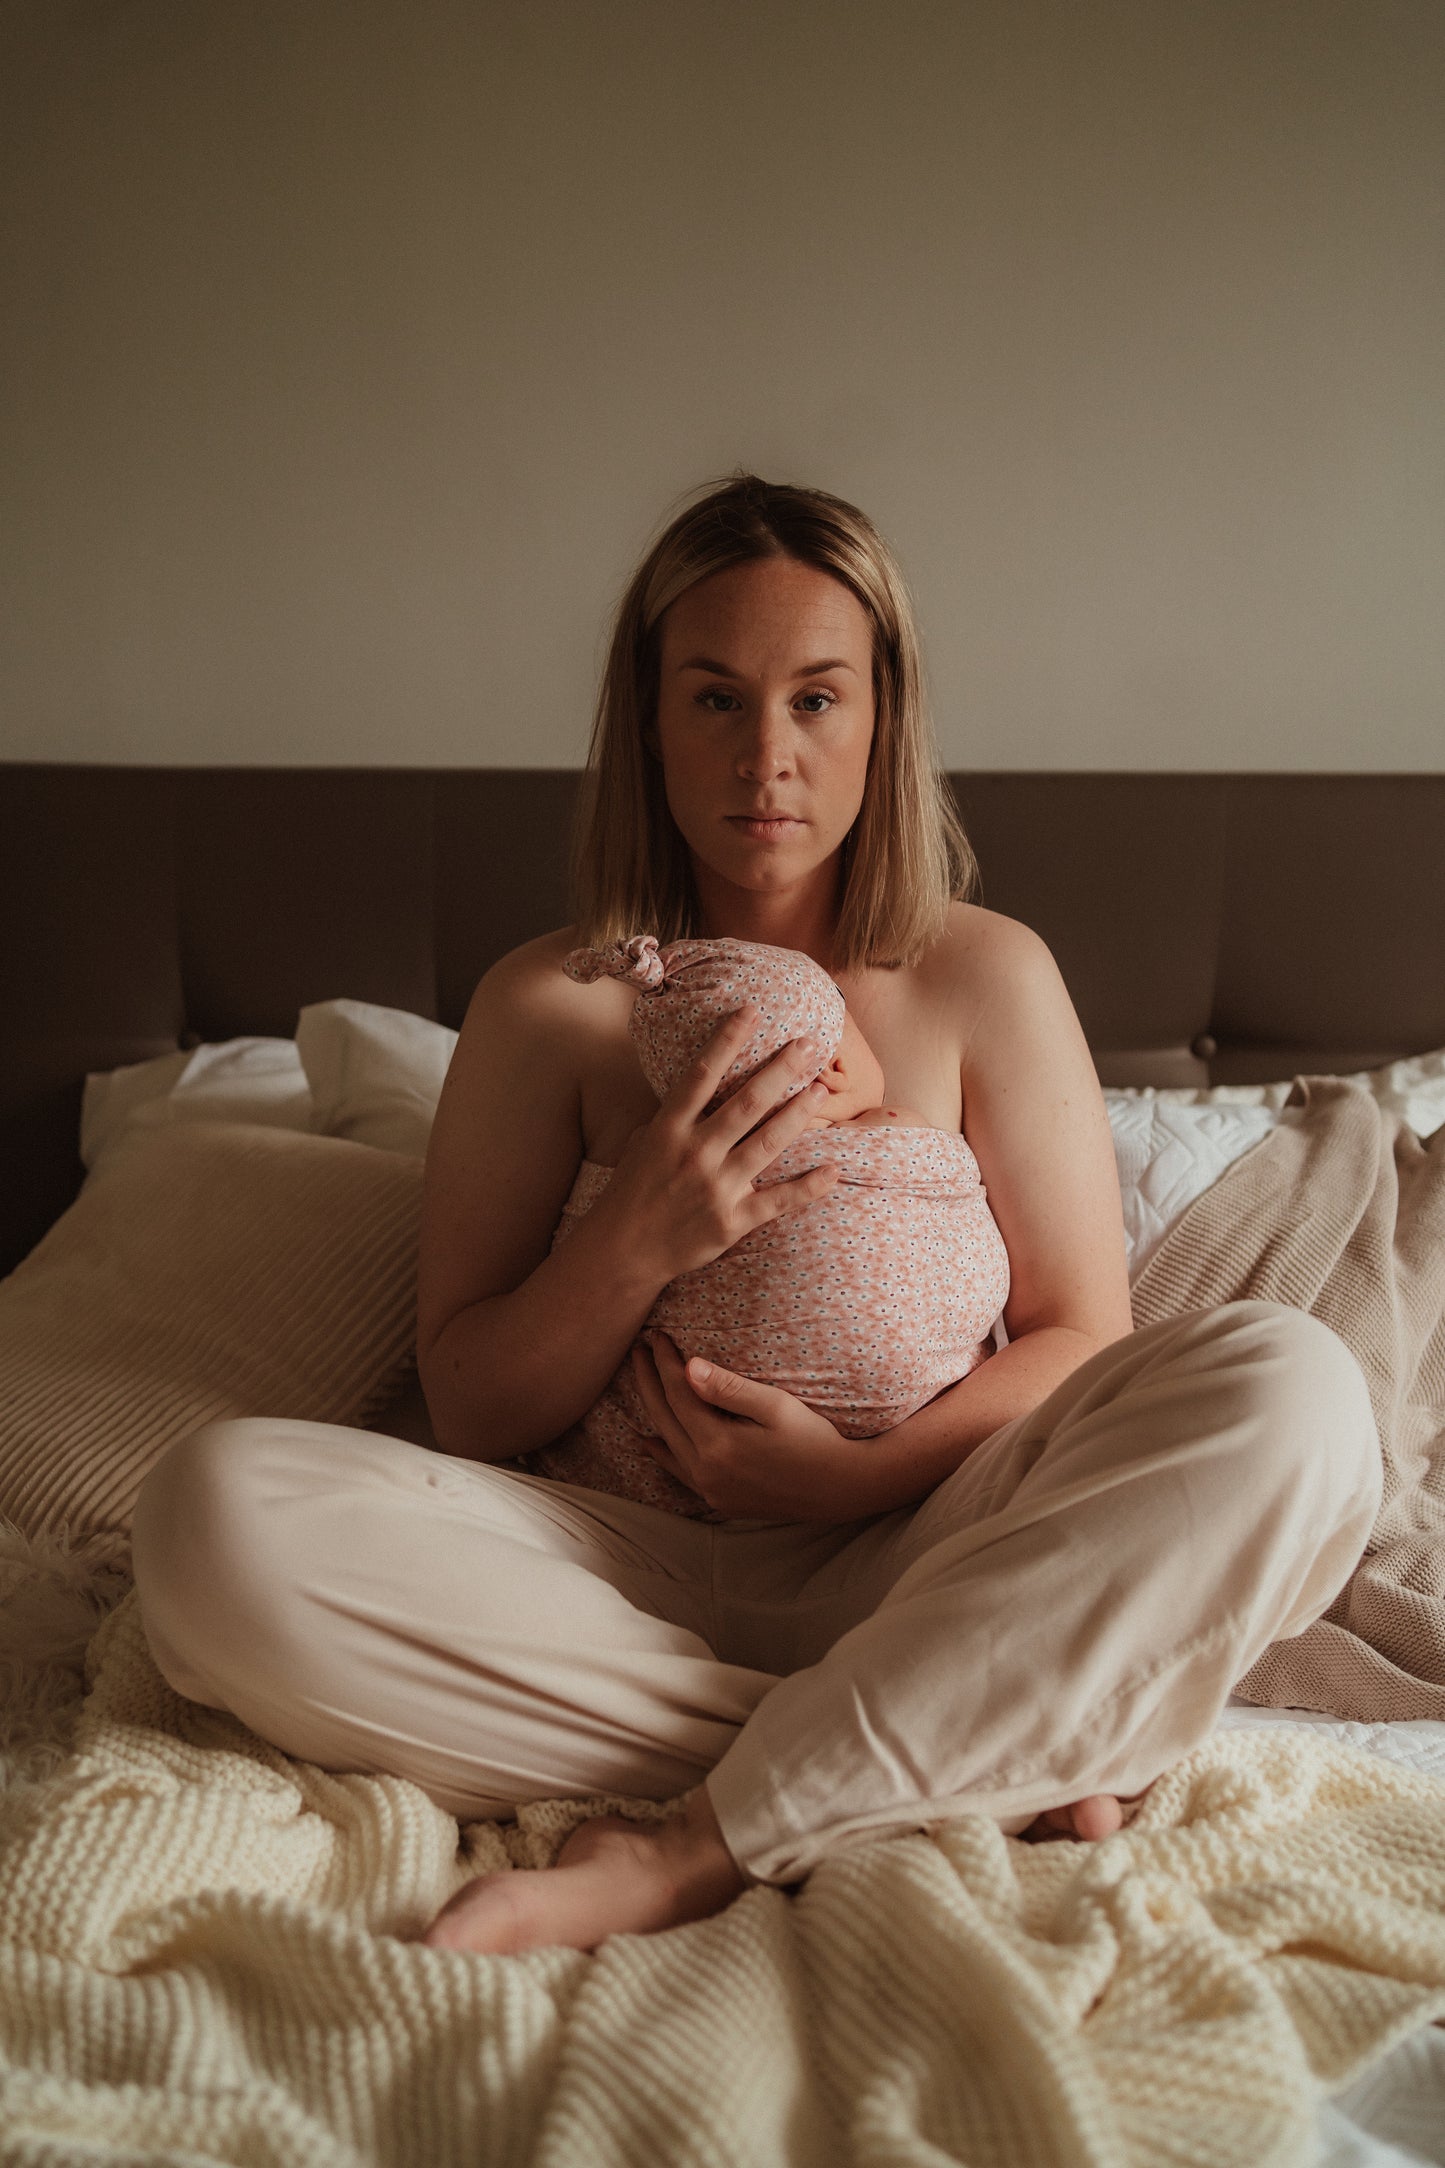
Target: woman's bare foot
(615,1877)
(1098,1816)
(612,1877)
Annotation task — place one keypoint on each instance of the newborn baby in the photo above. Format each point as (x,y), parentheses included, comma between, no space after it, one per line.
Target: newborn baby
(868,1302)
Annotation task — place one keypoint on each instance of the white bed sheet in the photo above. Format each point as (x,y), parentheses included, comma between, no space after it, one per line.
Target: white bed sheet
(1395,2114)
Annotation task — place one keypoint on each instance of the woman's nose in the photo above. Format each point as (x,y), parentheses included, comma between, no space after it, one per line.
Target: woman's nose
(764,752)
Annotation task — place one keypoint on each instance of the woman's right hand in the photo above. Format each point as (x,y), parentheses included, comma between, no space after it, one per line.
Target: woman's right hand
(684,1183)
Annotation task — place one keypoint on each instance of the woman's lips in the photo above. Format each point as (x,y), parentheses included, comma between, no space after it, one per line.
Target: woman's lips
(767,828)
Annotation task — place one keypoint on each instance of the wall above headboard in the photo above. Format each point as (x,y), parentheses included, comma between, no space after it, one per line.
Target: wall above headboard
(355,349)
(1210,928)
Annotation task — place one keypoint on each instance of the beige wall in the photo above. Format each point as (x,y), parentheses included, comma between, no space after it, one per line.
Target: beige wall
(360,344)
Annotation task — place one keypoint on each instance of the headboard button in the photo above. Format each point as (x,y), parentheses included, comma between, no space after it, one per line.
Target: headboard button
(1205,1047)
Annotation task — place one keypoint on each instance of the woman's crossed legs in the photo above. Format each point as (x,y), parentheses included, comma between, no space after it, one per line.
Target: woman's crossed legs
(1063,1617)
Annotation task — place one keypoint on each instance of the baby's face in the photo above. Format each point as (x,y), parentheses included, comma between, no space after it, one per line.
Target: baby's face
(854,1077)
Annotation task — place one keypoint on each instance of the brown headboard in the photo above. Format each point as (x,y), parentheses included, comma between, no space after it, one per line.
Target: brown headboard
(1211,928)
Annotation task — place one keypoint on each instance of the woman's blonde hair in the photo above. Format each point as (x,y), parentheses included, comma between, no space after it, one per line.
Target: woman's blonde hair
(907,856)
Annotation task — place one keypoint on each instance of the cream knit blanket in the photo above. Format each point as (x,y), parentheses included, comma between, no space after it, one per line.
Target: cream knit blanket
(1341,1211)
(206,1956)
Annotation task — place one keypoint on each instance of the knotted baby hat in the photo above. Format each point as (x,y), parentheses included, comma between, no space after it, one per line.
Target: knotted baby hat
(686,989)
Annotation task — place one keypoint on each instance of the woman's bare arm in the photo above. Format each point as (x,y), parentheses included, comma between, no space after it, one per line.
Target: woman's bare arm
(515,1341)
(1035,1119)
(504,1150)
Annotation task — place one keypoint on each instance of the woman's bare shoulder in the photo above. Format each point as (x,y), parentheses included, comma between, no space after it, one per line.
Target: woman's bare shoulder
(529,976)
(519,1039)
(999,978)
(982,952)
(530,1029)
(526,998)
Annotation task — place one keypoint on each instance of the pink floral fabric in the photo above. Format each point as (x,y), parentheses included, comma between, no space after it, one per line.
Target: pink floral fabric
(686,989)
(866,1304)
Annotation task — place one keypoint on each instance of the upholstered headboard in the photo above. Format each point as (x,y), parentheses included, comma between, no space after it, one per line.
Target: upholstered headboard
(1210,927)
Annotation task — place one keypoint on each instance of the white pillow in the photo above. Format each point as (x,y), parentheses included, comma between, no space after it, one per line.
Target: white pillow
(1170,1154)
(233,1080)
(1171,1145)
(375,1074)
(1413,1088)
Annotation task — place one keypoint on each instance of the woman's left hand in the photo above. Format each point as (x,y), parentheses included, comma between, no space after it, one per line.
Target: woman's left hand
(755,1453)
(751,1451)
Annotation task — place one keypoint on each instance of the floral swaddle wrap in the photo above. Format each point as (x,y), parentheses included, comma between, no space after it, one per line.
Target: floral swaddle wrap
(867,1303)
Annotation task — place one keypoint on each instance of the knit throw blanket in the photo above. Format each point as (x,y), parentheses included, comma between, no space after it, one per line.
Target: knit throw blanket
(206,1954)
(1341,1211)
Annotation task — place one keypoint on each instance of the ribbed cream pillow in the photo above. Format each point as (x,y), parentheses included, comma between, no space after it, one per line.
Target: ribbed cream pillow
(203,1271)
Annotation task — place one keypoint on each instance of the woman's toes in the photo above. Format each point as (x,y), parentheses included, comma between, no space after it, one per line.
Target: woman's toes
(491,1913)
(1090,1819)
(1096,1817)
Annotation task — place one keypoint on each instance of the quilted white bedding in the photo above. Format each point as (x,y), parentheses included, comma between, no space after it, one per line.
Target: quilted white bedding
(1168,1155)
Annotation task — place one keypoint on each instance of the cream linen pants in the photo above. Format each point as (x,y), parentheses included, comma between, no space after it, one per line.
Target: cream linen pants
(1064,1615)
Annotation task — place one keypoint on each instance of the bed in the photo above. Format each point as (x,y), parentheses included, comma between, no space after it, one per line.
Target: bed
(205,1949)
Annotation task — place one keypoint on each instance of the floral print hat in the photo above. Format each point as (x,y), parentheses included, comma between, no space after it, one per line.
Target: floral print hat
(686,989)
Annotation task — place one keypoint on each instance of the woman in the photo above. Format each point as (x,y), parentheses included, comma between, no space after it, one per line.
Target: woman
(1038,1590)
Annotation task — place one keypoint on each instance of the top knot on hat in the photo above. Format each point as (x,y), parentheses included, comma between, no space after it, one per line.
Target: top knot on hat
(637,960)
(690,986)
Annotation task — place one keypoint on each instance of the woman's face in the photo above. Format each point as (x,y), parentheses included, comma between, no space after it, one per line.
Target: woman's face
(765,720)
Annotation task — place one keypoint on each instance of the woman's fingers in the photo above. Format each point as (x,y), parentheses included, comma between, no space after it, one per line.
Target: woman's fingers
(685,1406)
(696,1180)
(693,1089)
(754,1101)
(756,1151)
(724,1389)
(799,1190)
(647,1372)
(745,1109)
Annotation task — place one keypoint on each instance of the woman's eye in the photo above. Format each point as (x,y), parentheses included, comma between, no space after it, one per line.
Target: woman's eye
(718,700)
